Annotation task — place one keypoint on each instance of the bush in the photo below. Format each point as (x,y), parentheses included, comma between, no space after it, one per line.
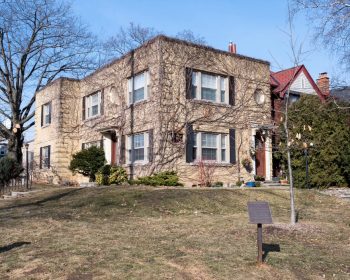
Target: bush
(217,184)
(167,178)
(259,178)
(88,162)
(258,184)
(239,183)
(117,175)
(9,169)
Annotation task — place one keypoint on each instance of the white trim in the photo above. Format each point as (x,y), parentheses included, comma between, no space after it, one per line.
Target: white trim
(145,147)
(268,158)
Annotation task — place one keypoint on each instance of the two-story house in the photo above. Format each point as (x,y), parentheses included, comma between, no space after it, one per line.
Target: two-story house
(167,105)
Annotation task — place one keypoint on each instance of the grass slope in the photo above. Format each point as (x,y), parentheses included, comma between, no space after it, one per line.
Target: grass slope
(149,233)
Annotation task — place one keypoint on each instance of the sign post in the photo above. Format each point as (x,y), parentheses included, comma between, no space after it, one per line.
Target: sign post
(259,214)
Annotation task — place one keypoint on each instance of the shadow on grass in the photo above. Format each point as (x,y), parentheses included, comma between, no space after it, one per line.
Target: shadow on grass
(46,199)
(270,248)
(13,246)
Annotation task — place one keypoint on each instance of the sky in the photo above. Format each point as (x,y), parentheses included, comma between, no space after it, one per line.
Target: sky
(257,27)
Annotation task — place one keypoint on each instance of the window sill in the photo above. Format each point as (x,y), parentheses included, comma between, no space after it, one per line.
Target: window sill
(212,103)
(138,103)
(137,163)
(218,164)
(46,125)
(92,118)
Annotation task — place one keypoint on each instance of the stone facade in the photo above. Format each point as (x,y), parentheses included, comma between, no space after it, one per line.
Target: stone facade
(168,116)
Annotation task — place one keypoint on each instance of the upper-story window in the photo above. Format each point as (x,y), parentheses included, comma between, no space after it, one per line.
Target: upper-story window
(138,87)
(92,105)
(46,114)
(210,87)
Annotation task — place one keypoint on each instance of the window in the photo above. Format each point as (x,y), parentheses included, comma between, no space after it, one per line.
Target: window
(45,157)
(140,83)
(88,145)
(210,147)
(259,97)
(210,87)
(46,114)
(138,147)
(93,105)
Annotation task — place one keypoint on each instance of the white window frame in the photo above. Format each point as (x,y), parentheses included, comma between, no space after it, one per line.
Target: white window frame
(197,81)
(47,113)
(130,95)
(219,137)
(89,105)
(145,147)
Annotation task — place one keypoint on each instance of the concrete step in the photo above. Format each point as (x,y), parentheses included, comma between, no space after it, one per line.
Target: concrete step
(7,197)
(88,185)
(19,194)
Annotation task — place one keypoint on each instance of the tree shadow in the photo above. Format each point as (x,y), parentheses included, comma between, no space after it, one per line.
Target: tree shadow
(39,202)
(269,248)
(13,246)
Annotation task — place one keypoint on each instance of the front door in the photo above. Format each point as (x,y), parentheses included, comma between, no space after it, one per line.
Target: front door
(260,163)
(113,149)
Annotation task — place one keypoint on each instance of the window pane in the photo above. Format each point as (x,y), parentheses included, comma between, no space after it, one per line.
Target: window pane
(138,141)
(94,99)
(139,154)
(47,119)
(208,94)
(222,96)
(209,140)
(194,91)
(208,154)
(139,94)
(94,110)
(223,141)
(208,81)
(223,155)
(139,81)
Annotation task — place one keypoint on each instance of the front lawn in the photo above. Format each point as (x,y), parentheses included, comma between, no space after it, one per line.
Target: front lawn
(153,233)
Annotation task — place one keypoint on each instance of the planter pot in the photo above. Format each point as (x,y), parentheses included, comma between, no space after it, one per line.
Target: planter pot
(284,182)
(250,184)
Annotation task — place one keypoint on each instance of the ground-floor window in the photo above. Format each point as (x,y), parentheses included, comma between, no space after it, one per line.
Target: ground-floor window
(138,147)
(210,147)
(45,157)
(87,145)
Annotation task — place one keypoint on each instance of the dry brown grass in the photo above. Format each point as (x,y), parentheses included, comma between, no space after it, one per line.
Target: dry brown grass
(149,233)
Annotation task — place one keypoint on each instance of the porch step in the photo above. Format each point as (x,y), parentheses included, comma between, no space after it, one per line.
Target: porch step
(88,185)
(19,194)
(273,184)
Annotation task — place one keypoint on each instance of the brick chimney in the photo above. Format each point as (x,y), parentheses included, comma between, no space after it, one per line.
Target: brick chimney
(232,48)
(323,83)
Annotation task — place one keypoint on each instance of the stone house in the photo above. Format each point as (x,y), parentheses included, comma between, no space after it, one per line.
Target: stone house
(167,105)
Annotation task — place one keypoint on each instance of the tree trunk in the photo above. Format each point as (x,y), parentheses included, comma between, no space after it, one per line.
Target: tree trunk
(15,143)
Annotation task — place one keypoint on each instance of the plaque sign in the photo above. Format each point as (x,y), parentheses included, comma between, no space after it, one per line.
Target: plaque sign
(259,214)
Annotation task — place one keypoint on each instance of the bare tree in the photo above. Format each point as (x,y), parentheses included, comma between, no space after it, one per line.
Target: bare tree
(189,36)
(39,41)
(331,19)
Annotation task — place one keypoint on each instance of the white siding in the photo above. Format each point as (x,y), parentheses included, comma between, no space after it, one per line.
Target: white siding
(302,85)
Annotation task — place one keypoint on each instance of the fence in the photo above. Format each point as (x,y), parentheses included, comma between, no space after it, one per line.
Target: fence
(18,184)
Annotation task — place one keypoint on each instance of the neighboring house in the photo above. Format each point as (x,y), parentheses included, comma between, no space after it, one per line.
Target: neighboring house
(297,82)
(167,105)
(341,94)
(3,149)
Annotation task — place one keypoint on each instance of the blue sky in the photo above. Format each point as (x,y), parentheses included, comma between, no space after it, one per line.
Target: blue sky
(257,27)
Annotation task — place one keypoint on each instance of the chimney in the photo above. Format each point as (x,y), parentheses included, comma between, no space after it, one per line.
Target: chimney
(323,83)
(232,48)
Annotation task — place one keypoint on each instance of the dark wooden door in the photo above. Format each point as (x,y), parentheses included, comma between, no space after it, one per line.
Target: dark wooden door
(260,162)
